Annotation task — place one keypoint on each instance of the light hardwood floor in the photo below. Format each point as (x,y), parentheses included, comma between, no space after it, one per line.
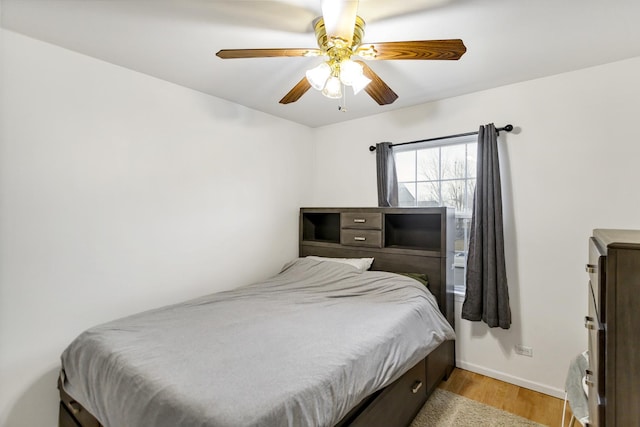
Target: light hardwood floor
(538,407)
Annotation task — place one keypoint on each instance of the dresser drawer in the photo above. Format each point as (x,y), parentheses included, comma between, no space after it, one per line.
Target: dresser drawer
(361,220)
(368,238)
(595,372)
(597,269)
(399,403)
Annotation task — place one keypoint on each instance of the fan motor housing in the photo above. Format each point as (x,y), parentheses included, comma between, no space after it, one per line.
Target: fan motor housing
(325,43)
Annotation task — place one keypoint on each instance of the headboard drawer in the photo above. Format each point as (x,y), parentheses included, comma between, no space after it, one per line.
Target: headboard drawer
(371,220)
(368,238)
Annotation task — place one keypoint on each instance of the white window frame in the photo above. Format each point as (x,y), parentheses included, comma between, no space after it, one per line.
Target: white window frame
(464,214)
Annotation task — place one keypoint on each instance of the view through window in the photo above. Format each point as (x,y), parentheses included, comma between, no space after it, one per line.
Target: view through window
(441,173)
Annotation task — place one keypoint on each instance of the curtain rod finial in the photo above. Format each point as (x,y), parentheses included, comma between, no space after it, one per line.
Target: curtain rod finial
(372,148)
(508,128)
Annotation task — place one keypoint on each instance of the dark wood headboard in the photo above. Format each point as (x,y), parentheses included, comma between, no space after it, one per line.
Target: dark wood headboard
(401,240)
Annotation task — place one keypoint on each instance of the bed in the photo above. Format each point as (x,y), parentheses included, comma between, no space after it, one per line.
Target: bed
(324,342)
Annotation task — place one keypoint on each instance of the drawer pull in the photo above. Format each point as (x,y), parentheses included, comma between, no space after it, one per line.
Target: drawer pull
(359,239)
(74,407)
(591,268)
(359,220)
(588,322)
(588,378)
(416,386)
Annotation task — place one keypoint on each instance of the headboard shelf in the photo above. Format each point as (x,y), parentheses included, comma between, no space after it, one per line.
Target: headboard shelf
(424,250)
(413,230)
(321,227)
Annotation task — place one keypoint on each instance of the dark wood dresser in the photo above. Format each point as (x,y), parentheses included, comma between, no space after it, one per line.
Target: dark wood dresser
(613,378)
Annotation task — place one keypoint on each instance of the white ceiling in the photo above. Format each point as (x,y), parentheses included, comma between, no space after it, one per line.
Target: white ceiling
(507,41)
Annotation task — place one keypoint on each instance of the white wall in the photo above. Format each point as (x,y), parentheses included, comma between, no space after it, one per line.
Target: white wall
(571,166)
(120,192)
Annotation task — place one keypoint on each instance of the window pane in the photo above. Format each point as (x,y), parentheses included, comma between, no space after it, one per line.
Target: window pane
(407,193)
(428,194)
(442,176)
(453,162)
(428,164)
(472,159)
(461,244)
(406,166)
(468,202)
(453,193)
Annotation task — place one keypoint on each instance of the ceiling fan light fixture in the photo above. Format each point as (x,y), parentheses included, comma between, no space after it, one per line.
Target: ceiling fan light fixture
(333,88)
(318,76)
(349,71)
(360,83)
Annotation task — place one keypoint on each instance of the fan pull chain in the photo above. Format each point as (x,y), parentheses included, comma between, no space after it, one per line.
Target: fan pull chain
(343,107)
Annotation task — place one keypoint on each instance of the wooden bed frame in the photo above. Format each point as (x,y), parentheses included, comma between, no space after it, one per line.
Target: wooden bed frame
(401,240)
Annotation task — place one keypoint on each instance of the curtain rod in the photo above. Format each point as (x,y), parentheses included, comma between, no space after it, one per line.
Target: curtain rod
(507,128)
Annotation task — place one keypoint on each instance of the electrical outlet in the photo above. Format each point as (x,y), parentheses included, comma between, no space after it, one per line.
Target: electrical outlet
(523,350)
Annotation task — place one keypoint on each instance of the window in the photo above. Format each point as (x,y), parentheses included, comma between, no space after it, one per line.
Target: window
(441,173)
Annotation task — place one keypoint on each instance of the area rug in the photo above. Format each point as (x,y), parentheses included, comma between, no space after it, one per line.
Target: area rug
(446,409)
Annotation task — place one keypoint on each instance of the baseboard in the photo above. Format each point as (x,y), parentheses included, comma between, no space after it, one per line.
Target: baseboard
(531,385)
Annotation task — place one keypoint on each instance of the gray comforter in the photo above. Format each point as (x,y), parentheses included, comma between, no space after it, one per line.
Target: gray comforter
(299,349)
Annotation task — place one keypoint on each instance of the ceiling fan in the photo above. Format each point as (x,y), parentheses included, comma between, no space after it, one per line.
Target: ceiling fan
(339,32)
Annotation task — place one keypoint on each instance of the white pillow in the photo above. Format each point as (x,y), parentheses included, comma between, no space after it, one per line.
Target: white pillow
(362,264)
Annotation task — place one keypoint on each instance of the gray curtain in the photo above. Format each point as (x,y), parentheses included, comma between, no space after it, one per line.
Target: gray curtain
(487,296)
(387,177)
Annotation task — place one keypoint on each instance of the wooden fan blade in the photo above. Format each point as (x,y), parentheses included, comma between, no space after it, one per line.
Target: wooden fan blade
(298,90)
(266,53)
(419,49)
(377,89)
